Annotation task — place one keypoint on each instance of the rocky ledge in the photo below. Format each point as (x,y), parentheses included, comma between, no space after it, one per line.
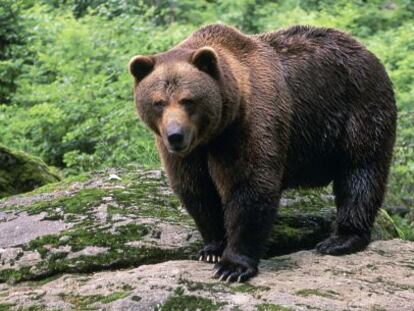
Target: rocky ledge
(380,278)
(65,245)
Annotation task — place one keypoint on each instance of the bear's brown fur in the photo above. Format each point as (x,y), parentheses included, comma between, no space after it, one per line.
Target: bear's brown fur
(238,119)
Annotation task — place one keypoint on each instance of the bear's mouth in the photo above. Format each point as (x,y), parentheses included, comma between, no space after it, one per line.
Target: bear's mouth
(181,149)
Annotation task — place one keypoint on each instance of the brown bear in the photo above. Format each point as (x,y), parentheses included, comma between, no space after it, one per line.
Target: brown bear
(240,118)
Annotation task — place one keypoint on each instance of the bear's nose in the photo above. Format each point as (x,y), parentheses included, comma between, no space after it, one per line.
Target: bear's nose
(175,136)
(176,139)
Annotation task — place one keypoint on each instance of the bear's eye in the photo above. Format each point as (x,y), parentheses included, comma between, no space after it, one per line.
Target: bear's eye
(187,102)
(159,104)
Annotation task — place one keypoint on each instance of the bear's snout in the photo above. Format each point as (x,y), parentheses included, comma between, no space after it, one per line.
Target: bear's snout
(176,132)
(178,138)
(175,136)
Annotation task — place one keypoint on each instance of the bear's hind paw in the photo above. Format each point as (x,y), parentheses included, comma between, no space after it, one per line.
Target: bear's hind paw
(343,244)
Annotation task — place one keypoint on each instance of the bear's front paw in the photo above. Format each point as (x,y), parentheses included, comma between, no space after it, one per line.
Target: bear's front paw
(211,252)
(234,267)
(343,244)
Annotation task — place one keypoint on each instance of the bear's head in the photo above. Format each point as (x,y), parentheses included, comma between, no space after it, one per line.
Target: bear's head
(178,96)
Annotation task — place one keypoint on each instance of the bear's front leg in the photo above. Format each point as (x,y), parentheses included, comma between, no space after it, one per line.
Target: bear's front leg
(249,216)
(191,181)
(203,204)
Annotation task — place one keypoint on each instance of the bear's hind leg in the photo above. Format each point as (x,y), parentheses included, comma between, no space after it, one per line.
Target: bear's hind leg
(359,192)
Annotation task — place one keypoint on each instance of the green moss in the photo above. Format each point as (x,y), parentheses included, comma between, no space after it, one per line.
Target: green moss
(6,306)
(189,303)
(80,238)
(272,307)
(151,202)
(83,237)
(85,302)
(290,233)
(315,292)
(304,218)
(33,308)
(114,296)
(179,291)
(78,203)
(13,276)
(62,185)
(43,281)
(20,172)
(210,287)
(139,195)
(247,288)
(118,256)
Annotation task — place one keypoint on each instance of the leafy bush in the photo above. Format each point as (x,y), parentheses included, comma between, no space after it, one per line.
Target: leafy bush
(12,38)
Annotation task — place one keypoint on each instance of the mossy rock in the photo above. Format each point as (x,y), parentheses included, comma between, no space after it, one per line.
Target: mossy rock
(133,218)
(21,172)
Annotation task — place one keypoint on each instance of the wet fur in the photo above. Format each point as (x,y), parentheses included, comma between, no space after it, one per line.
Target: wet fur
(301,107)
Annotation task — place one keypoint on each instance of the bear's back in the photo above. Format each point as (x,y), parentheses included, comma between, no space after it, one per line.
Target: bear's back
(222,37)
(341,99)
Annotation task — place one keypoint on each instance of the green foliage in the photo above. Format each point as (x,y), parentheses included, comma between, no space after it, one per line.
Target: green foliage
(405,226)
(12,38)
(67,96)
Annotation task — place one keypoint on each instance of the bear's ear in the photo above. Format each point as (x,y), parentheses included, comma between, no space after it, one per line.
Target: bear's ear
(140,66)
(206,59)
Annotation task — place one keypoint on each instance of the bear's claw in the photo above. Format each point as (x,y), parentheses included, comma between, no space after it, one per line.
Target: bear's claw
(211,253)
(241,269)
(208,258)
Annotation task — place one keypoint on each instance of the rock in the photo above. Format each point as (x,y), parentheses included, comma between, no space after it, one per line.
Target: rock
(10,255)
(61,250)
(25,228)
(64,239)
(380,278)
(20,172)
(13,257)
(101,213)
(89,251)
(114,177)
(168,236)
(92,224)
